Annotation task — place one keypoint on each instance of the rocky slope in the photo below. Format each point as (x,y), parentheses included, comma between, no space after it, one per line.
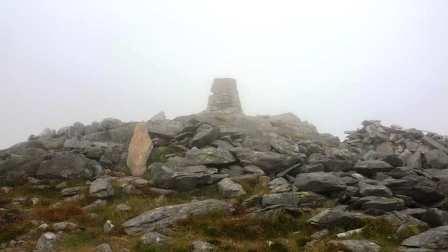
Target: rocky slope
(224,181)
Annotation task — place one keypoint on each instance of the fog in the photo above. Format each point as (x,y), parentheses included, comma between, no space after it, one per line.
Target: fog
(333,63)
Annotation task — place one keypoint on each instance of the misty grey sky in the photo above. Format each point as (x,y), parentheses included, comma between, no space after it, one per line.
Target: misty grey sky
(333,63)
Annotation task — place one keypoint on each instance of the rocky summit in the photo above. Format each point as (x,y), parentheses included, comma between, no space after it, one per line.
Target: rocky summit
(221,180)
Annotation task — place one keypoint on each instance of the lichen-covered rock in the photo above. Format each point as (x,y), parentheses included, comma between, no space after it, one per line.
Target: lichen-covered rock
(230,189)
(46,242)
(68,165)
(319,182)
(209,156)
(167,216)
(353,246)
(101,188)
(181,178)
(435,239)
(205,135)
(292,199)
(269,162)
(371,167)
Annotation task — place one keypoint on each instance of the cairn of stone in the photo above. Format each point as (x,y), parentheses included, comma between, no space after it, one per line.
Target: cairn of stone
(225,97)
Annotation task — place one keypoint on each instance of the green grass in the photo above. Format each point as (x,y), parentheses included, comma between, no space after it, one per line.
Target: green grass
(78,239)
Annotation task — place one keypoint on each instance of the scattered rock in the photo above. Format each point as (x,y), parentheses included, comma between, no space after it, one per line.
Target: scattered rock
(230,189)
(164,217)
(209,156)
(46,243)
(123,208)
(154,239)
(319,182)
(108,227)
(64,226)
(292,199)
(435,239)
(354,246)
(101,188)
(71,191)
(202,246)
(205,135)
(103,248)
(371,167)
(269,162)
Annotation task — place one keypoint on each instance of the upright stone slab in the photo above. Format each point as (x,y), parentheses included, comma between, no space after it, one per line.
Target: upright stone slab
(225,97)
(140,148)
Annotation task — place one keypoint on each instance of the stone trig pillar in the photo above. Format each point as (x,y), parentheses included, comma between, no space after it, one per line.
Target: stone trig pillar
(224,97)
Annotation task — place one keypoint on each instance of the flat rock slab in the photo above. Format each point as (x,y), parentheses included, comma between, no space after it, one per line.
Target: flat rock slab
(435,239)
(164,217)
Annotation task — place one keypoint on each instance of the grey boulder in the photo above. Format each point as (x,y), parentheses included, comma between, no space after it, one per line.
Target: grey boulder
(230,189)
(435,239)
(209,156)
(101,188)
(292,199)
(319,182)
(68,165)
(205,135)
(353,246)
(164,217)
(371,167)
(269,162)
(181,178)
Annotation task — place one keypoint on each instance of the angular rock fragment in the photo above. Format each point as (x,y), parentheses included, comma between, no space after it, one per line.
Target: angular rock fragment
(167,216)
(230,189)
(319,182)
(101,188)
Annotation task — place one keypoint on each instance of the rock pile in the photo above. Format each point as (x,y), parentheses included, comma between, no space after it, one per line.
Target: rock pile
(271,165)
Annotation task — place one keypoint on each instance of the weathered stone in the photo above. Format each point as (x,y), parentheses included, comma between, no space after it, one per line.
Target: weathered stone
(374,190)
(140,148)
(375,204)
(164,217)
(205,135)
(103,248)
(64,226)
(108,227)
(202,246)
(154,239)
(279,185)
(353,246)
(433,143)
(70,191)
(181,178)
(292,199)
(319,182)
(101,188)
(371,167)
(435,239)
(420,188)
(437,159)
(46,243)
(164,128)
(225,97)
(209,156)
(339,217)
(253,169)
(68,165)
(230,189)
(435,217)
(269,162)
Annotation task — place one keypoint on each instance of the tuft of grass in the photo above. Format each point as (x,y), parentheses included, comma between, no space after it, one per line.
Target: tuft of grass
(78,239)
